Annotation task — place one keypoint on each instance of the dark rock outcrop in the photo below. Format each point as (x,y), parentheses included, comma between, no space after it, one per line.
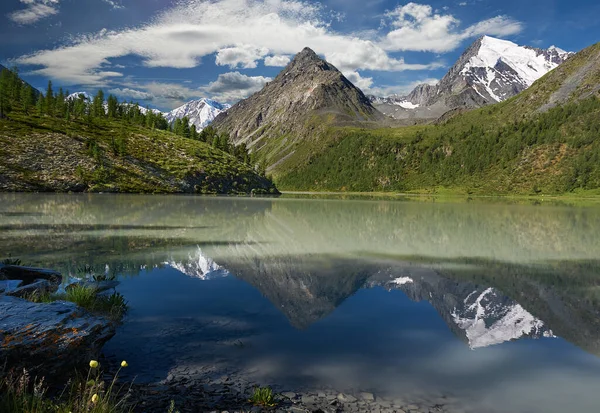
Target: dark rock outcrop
(49,340)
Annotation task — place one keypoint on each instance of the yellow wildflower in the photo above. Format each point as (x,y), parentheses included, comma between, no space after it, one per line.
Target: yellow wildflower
(93,364)
(124,364)
(94,398)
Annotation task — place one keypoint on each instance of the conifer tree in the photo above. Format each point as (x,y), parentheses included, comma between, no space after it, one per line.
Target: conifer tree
(49,106)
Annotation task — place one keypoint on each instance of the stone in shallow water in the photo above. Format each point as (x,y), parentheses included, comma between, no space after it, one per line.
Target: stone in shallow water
(39,286)
(346,398)
(49,340)
(29,274)
(367,396)
(9,285)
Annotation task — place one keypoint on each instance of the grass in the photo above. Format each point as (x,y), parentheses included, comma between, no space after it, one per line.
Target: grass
(20,393)
(263,396)
(155,161)
(113,306)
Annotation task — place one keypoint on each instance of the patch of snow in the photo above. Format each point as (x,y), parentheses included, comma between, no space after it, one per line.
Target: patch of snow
(200,112)
(406,104)
(493,324)
(528,63)
(199,266)
(402,280)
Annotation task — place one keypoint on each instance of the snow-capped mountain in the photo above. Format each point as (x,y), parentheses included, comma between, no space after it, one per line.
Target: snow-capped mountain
(489,71)
(480,316)
(74,96)
(487,318)
(200,112)
(199,266)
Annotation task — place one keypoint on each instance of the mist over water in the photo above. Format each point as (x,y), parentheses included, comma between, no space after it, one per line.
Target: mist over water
(494,303)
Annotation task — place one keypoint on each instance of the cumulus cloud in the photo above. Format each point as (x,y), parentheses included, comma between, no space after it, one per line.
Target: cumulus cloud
(131,93)
(240,32)
(244,56)
(416,27)
(277,61)
(363,83)
(34,11)
(234,86)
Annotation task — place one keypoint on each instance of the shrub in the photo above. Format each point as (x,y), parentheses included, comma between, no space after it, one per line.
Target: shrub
(263,396)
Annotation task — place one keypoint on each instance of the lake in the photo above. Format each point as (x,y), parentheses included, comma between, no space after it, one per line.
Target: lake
(494,304)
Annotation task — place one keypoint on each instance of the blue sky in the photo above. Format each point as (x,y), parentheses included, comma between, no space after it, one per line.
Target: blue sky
(163,53)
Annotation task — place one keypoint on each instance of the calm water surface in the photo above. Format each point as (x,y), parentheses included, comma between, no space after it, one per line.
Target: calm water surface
(497,305)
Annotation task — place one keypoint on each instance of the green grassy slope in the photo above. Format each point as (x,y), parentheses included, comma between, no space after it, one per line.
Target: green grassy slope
(50,154)
(545,140)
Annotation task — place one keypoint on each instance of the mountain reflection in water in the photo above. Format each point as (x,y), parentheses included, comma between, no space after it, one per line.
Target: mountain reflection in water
(493,302)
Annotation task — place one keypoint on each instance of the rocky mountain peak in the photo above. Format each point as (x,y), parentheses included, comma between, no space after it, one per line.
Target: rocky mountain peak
(308,86)
(490,70)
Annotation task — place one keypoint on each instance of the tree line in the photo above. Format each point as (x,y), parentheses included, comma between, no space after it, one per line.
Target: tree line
(17,95)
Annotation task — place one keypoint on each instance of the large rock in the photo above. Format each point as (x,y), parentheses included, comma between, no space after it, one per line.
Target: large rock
(29,275)
(49,340)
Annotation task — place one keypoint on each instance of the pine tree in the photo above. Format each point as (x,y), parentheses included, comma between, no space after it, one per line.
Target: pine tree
(185,127)
(4,93)
(112,105)
(49,106)
(60,104)
(26,98)
(40,105)
(98,105)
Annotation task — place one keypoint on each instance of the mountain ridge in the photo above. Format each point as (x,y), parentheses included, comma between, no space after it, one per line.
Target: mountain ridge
(490,70)
(294,107)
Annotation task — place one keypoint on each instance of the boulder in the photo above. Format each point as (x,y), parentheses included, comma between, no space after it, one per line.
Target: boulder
(99,286)
(29,275)
(49,340)
(37,287)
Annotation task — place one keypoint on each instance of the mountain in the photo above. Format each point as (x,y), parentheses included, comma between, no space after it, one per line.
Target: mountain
(480,316)
(306,96)
(86,96)
(35,91)
(542,141)
(200,112)
(489,71)
(198,265)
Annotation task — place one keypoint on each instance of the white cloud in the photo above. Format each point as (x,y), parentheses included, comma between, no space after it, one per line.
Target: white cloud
(418,28)
(239,31)
(363,83)
(277,61)
(131,93)
(36,10)
(114,4)
(244,56)
(234,86)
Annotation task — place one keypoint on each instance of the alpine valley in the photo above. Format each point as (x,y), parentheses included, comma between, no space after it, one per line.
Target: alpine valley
(505,119)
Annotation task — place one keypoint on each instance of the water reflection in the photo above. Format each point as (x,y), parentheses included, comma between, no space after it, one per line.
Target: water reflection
(387,296)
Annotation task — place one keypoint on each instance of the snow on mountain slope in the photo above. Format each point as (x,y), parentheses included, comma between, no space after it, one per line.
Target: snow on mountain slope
(525,65)
(200,112)
(199,266)
(490,70)
(488,320)
(75,95)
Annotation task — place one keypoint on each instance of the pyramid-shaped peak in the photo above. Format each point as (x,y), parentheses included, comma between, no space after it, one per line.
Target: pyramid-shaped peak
(307,53)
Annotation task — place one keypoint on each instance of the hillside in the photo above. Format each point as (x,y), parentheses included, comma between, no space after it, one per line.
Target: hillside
(544,140)
(54,144)
(294,108)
